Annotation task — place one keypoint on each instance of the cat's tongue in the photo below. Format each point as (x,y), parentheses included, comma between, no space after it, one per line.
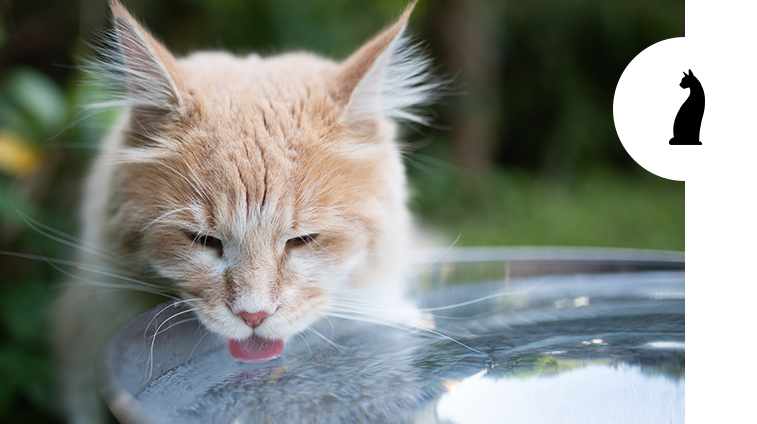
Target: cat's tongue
(255,349)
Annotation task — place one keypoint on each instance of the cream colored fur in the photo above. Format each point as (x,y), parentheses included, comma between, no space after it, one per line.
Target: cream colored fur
(253,152)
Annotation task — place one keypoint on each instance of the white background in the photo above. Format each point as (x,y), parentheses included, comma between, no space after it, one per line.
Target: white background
(721,210)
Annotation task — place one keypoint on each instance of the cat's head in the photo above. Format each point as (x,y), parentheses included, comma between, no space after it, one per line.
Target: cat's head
(262,187)
(688,80)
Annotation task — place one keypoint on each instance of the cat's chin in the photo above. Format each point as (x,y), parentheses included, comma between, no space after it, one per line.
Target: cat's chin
(255,349)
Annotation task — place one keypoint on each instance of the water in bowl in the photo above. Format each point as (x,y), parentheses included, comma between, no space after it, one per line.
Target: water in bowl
(564,347)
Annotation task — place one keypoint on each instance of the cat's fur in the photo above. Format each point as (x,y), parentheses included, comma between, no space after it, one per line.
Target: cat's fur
(689,118)
(219,167)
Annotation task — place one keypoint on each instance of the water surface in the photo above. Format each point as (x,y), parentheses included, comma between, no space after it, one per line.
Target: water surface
(565,347)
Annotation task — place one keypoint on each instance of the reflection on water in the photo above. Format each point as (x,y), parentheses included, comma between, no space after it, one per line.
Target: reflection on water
(597,393)
(597,359)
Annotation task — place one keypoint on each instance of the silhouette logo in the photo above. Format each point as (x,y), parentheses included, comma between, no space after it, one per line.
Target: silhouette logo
(689,117)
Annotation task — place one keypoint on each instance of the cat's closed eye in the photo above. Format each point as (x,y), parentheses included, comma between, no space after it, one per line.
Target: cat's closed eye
(301,240)
(206,241)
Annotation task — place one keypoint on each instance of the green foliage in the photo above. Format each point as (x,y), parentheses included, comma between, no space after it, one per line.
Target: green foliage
(547,366)
(330,27)
(510,207)
(544,366)
(562,60)
(33,106)
(25,377)
(45,123)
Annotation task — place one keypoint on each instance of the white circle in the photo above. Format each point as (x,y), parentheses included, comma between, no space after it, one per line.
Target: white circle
(647,99)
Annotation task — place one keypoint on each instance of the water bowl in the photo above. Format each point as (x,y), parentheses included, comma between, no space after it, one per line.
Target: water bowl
(526,335)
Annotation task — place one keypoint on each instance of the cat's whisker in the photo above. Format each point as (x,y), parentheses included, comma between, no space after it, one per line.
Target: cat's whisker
(435,161)
(363,312)
(40,258)
(166,320)
(326,317)
(124,278)
(155,335)
(323,248)
(436,260)
(326,339)
(204,191)
(93,283)
(419,166)
(74,122)
(389,358)
(194,318)
(205,333)
(360,306)
(177,323)
(194,187)
(172,305)
(104,271)
(420,161)
(157,161)
(111,288)
(67,239)
(305,340)
(164,215)
(204,231)
(401,325)
(357,303)
(485,298)
(75,146)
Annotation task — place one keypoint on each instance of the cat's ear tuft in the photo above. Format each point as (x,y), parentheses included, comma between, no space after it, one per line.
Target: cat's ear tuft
(148,67)
(139,71)
(385,78)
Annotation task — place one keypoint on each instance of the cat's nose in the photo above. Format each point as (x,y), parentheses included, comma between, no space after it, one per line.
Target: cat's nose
(253,319)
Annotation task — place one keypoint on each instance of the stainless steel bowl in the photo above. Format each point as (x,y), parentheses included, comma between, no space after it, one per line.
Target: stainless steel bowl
(517,335)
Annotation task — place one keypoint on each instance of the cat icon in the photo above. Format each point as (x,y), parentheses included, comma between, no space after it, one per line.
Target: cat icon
(689,117)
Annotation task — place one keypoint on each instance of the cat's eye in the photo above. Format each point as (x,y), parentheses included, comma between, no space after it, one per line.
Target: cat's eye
(206,241)
(301,240)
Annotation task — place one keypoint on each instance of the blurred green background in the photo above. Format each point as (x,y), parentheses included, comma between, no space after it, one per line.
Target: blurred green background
(525,152)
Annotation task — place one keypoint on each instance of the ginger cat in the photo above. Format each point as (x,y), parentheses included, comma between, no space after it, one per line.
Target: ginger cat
(266,192)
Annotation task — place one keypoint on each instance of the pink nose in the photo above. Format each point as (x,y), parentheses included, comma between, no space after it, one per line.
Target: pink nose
(253,319)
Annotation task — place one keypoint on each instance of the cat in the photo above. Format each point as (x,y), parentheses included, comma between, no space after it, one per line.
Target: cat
(266,192)
(689,118)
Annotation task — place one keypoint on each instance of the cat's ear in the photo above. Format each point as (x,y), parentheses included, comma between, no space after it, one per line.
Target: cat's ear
(146,70)
(385,78)
(691,74)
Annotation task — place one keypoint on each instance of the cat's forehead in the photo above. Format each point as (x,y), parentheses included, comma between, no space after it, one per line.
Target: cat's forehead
(279,101)
(269,180)
(263,137)
(263,165)
(254,80)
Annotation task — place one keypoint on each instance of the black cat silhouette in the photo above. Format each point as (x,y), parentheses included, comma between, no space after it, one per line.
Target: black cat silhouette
(689,118)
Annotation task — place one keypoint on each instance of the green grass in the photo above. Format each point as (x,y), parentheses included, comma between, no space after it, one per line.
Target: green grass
(601,208)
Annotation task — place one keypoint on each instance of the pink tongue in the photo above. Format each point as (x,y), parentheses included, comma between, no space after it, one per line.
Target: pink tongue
(256,349)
